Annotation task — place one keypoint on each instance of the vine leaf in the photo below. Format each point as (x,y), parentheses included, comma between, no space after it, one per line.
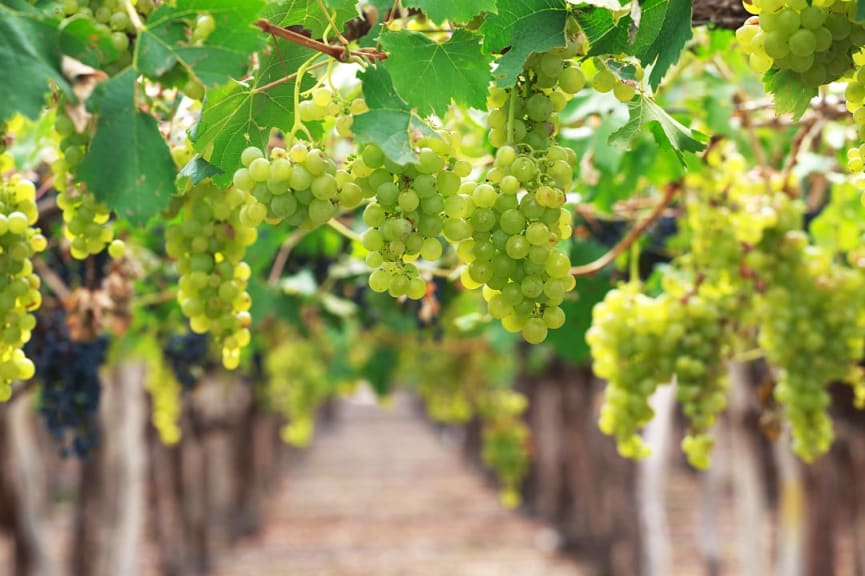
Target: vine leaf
(238,115)
(790,94)
(525,26)
(860,9)
(645,113)
(128,165)
(197,170)
(428,74)
(390,122)
(30,60)
(606,34)
(453,10)
(665,28)
(308,14)
(164,43)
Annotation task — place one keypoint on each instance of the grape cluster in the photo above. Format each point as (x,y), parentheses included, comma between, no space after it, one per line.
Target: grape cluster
(323,104)
(812,327)
(71,388)
(855,95)
(633,350)
(815,41)
(209,244)
(86,223)
(518,217)
(297,385)
(301,186)
(111,18)
(411,207)
(187,355)
(19,286)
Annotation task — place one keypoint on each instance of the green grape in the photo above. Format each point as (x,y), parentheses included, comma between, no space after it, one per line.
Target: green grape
(213,276)
(19,287)
(407,215)
(85,222)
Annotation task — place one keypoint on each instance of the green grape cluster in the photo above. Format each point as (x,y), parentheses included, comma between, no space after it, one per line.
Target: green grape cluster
(111,18)
(633,349)
(411,207)
(855,96)
(518,217)
(639,342)
(813,331)
(815,40)
(300,186)
(19,286)
(505,440)
(72,148)
(209,243)
(297,384)
(85,223)
(323,104)
(165,391)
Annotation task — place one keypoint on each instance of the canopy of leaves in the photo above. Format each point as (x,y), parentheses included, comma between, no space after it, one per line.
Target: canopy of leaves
(242,114)
(428,74)
(525,26)
(164,42)
(390,123)
(29,54)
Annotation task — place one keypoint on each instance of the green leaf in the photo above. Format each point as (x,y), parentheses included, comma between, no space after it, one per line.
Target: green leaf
(308,14)
(453,10)
(665,28)
(389,123)
(81,39)
(222,56)
(239,115)
(860,9)
(791,95)
(128,165)
(525,26)
(198,169)
(455,69)
(30,61)
(606,34)
(645,113)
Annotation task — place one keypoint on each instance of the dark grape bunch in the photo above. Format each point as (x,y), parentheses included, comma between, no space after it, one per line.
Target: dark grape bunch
(209,244)
(187,355)
(411,207)
(71,388)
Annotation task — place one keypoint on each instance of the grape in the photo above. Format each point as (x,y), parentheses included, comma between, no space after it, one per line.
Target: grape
(19,287)
(803,43)
(212,288)
(407,214)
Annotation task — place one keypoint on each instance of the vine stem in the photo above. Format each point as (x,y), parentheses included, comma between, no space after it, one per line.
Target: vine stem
(344,230)
(133,15)
(341,53)
(52,279)
(288,78)
(327,15)
(281,259)
(626,242)
(298,124)
(512,110)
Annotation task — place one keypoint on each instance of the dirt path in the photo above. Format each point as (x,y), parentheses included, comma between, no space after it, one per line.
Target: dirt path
(379,495)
